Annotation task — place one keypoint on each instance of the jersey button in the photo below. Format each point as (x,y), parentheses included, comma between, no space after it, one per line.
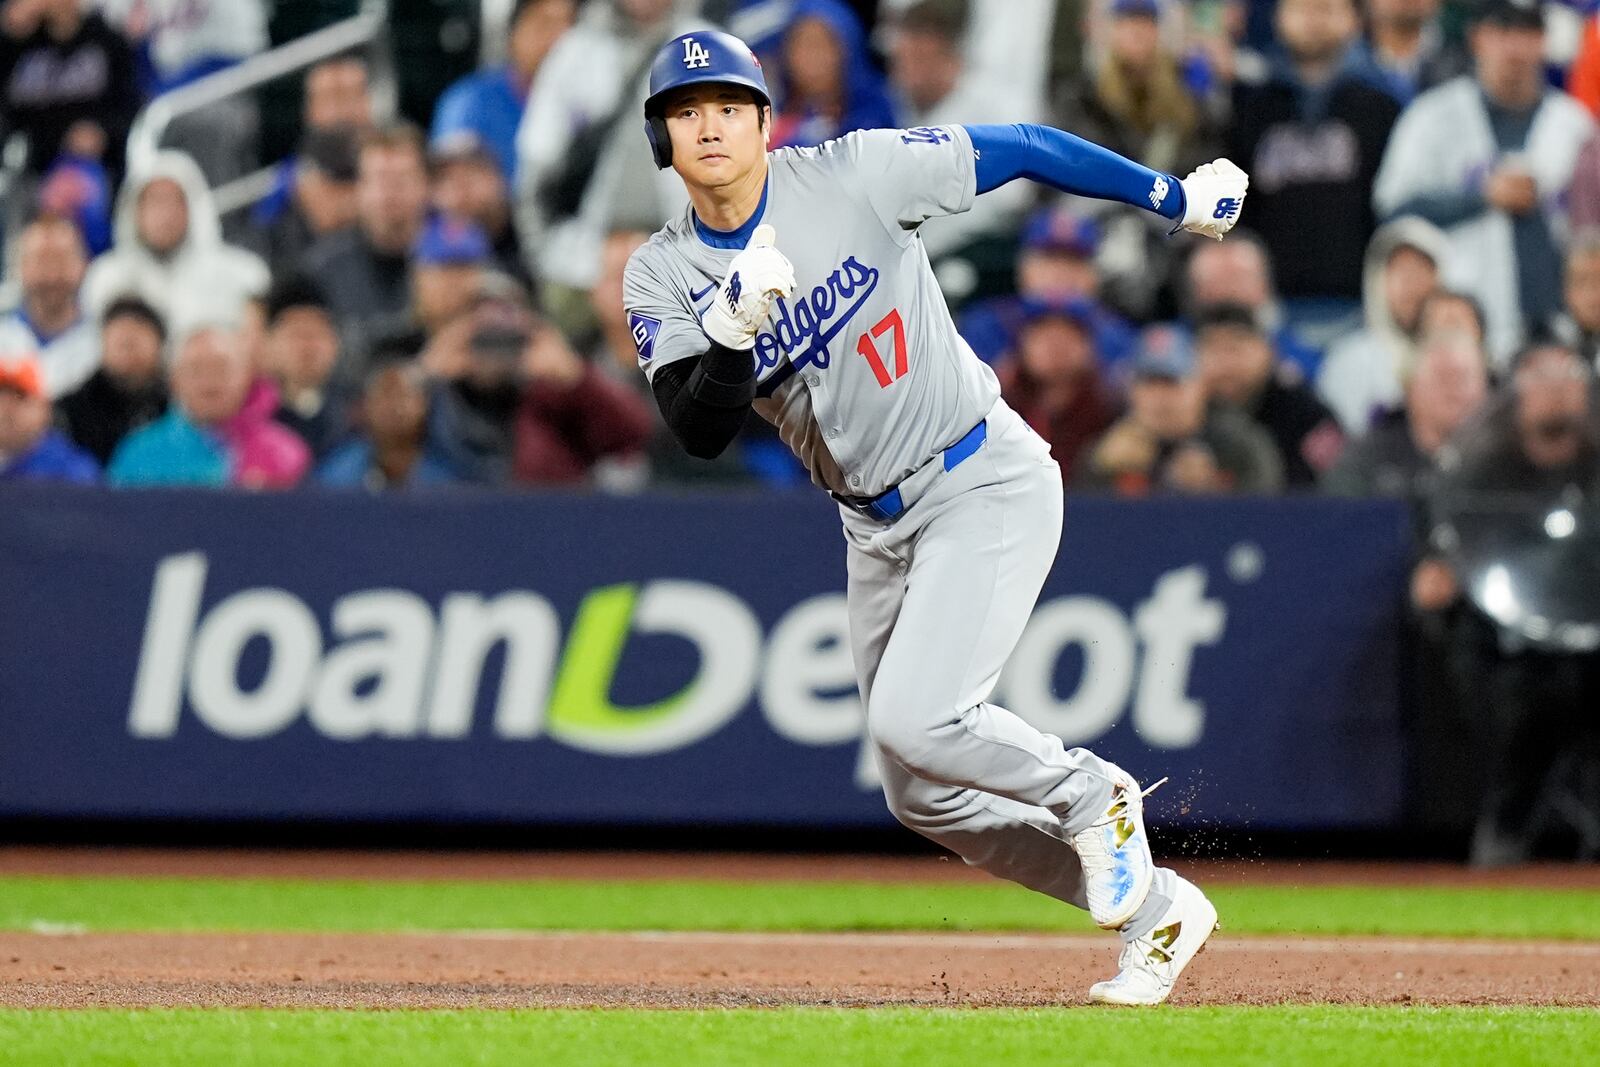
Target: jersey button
(833,433)
(855,481)
(813,380)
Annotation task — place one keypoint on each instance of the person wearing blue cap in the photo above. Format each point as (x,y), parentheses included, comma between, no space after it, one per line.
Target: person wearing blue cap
(488,104)
(1053,379)
(1055,263)
(1171,440)
(447,264)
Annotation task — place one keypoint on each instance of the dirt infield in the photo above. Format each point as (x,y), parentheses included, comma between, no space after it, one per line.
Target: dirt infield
(516,969)
(725,970)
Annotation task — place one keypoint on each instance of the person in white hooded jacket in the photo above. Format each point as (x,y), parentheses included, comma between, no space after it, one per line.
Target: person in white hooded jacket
(168,250)
(1365,372)
(1488,157)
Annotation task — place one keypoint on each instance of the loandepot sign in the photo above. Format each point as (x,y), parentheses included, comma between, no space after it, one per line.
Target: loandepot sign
(393,665)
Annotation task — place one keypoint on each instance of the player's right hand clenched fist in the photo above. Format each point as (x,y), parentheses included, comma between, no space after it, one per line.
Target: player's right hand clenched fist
(755,277)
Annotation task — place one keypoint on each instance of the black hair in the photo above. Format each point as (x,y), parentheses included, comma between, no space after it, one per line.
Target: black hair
(295,291)
(131,306)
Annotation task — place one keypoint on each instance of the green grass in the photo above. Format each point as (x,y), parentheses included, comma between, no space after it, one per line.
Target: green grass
(890,1037)
(262,904)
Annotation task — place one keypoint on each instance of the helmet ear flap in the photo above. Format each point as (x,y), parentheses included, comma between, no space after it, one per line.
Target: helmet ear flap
(655,129)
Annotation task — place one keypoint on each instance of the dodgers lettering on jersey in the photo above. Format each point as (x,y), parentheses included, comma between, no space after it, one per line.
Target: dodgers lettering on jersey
(861,370)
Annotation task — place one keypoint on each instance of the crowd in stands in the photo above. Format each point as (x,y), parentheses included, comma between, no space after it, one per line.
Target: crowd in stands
(1412,302)
(443,307)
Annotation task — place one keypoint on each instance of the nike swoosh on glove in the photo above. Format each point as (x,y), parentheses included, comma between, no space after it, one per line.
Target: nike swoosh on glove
(757,276)
(1213,197)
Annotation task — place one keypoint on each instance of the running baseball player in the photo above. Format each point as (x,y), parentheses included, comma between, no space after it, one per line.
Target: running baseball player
(951,504)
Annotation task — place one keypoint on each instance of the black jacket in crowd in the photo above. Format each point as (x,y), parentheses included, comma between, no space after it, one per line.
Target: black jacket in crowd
(102,411)
(1304,429)
(47,85)
(1312,156)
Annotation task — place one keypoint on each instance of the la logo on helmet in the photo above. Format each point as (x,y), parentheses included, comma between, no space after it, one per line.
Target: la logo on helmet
(694,55)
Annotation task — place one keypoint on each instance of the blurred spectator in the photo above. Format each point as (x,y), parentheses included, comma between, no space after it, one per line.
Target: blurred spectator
(468,186)
(1172,440)
(1054,382)
(1014,50)
(169,250)
(210,436)
(582,166)
(30,450)
(1055,263)
(1395,458)
(301,352)
(129,390)
(1447,311)
(931,89)
(1406,41)
(447,267)
(1239,369)
(1135,100)
(337,100)
(78,190)
(338,92)
(1239,271)
(1578,325)
(1583,199)
(318,199)
(1487,158)
(516,401)
(616,349)
(488,105)
(1537,449)
(70,85)
(395,449)
(181,41)
(1312,135)
(1363,371)
(365,269)
(825,84)
(48,321)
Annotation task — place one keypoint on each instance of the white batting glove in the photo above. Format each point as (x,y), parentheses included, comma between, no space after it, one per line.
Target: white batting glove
(757,276)
(1213,197)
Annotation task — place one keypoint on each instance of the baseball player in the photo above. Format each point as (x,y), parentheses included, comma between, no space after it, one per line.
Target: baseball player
(951,504)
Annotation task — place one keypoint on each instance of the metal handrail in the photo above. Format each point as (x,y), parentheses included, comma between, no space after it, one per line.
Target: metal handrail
(361,29)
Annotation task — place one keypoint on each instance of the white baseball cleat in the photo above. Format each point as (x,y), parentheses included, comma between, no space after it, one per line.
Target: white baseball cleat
(1151,964)
(1115,852)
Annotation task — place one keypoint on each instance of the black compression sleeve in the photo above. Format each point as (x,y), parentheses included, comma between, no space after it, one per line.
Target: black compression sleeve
(705,400)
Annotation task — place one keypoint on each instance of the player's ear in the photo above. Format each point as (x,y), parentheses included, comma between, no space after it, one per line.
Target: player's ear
(764,123)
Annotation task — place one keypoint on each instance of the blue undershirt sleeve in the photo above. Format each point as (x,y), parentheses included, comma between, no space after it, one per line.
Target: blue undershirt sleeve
(1071,164)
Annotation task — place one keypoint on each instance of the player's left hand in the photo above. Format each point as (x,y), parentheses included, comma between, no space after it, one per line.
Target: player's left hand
(1213,197)
(755,278)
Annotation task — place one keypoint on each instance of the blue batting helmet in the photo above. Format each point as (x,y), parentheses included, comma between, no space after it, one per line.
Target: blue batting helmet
(699,58)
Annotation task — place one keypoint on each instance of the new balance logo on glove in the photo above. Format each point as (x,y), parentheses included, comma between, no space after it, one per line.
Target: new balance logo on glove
(1213,198)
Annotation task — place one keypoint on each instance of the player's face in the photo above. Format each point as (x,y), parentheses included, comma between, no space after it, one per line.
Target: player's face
(719,135)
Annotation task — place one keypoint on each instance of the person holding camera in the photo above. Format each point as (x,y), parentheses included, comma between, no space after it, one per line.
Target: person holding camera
(518,404)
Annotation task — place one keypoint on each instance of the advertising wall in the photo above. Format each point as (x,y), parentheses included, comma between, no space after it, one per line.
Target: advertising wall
(655,660)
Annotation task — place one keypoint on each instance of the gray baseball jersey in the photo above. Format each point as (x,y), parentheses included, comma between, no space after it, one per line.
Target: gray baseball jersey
(862,370)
